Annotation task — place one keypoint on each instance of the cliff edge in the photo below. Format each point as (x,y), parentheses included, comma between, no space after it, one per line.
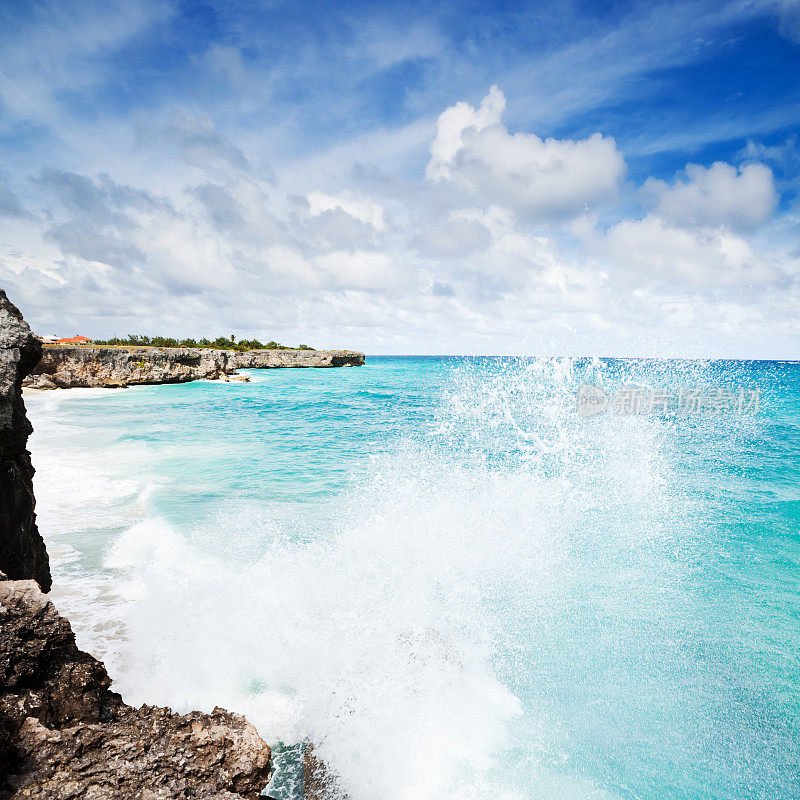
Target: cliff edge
(22,550)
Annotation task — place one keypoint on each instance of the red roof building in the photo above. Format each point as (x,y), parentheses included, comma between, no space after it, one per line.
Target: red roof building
(75,340)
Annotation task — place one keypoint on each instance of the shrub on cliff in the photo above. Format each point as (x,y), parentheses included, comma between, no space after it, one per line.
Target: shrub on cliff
(220,343)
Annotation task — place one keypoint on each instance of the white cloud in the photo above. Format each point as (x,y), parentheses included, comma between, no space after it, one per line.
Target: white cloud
(670,254)
(334,271)
(456,236)
(717,195)
(361,208)
(365,270)
(451,126)
(546,177)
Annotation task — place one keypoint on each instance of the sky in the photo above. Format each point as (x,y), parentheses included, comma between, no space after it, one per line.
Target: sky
(560,177)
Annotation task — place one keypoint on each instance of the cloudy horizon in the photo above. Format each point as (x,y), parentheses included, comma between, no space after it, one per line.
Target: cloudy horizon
(569,178)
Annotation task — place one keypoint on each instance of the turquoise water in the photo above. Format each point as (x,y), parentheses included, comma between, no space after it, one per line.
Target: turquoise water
(443,576)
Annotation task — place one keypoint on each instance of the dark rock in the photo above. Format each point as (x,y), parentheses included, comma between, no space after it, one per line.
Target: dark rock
(65,734)
(319,783)
(22,551)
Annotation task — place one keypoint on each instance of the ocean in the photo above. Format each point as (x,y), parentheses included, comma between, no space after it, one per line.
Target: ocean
(446,574)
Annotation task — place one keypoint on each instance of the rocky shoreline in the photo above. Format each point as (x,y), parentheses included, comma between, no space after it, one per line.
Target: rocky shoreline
(63,733)
(66,367)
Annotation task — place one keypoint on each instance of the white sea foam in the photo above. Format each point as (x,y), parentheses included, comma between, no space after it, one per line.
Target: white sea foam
(88,491)
(412,636)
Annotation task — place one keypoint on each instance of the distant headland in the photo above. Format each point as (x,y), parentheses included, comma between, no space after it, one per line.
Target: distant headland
(121,363)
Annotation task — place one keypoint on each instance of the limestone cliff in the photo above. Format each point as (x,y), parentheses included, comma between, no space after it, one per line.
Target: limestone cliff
(277,359)
(68,367)
(22,551)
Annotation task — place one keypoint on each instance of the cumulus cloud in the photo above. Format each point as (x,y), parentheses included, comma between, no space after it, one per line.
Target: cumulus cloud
(455,236)
(361,208)
(363,270)
(717,195)
(548,177)
(671,254)
(133,233)
(224,212)
(453,122)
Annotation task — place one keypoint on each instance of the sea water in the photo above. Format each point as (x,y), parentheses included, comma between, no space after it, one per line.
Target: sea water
(443,576)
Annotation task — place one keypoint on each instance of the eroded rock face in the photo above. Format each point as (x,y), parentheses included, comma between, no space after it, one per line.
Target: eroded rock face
(86,367)
(69,367)
(22,551)
(276,359)
(65,734)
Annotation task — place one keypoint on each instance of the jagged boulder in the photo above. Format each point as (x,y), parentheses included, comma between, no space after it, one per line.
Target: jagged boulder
(64,734)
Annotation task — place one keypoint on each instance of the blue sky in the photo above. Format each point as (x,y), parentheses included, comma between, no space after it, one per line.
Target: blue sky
(629,186)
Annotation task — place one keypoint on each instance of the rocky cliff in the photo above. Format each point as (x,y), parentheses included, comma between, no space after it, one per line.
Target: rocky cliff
(276,359)
(68,367)
(22,551)
(64,734)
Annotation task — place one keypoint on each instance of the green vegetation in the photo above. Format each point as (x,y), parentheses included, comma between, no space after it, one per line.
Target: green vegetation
(220,343)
